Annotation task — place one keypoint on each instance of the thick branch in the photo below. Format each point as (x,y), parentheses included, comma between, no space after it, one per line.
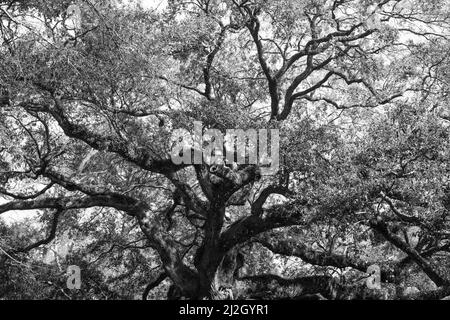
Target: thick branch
(380,226)
(180,274)
(254,26)
(307,285)
(257,205)
(142,157)
(292,247)
(248,227)
(116,201)
(154,283)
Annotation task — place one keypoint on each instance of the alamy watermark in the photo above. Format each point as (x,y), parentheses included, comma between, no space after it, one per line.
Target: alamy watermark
(237,146)
(73,278)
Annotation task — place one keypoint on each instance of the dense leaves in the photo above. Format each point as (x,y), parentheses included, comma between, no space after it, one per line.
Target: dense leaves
(358,90)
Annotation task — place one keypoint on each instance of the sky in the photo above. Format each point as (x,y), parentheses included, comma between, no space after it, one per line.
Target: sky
(154,4)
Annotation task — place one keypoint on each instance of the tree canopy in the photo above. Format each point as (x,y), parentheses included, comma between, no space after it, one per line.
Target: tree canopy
(89,101)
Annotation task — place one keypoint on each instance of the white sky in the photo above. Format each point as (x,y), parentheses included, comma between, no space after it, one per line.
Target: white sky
(154,4)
